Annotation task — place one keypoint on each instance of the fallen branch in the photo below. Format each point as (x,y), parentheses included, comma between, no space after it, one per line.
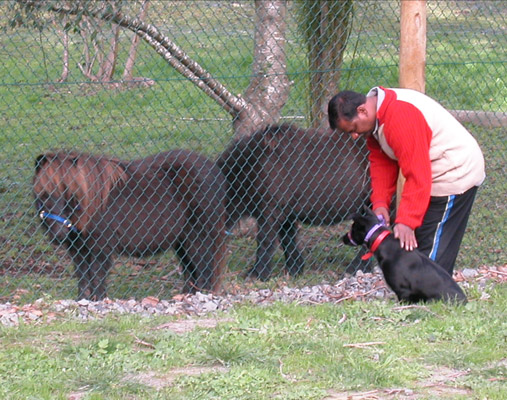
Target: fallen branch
(362,345)
(412,306)
(143,343)
(417,307)
(353,296)
(285,376)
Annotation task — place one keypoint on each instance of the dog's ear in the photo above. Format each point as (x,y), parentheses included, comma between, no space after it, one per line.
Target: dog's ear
(350,217)
(368,212)
(354,217)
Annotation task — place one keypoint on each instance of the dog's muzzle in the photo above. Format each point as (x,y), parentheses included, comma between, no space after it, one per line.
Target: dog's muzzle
(349,235)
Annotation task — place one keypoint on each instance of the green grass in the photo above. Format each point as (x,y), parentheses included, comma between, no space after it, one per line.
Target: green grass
(464,71)
(280,351)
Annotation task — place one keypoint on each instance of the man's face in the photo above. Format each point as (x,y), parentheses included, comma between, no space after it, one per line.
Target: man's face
(358,126)
(363,124)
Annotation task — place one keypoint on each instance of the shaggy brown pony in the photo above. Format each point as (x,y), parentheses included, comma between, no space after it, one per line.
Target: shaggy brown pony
(282,175)
(98,207)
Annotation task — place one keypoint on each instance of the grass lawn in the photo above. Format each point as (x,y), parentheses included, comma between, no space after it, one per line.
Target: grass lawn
(365,350)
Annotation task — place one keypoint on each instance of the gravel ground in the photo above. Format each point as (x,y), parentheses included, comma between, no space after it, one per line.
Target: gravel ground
(361,287)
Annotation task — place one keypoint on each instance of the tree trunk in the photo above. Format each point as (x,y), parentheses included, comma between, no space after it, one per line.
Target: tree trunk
(326,26)
(108,64)
(87,66)
(269,87)
(129,64)
(65,58)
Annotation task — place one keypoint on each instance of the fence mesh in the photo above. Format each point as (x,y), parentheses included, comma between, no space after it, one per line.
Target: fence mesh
(85,104)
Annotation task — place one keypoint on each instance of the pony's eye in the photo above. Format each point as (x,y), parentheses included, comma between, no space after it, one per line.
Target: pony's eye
(72,206)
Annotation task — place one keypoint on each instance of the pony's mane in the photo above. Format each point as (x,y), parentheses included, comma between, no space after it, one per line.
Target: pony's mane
(87,178)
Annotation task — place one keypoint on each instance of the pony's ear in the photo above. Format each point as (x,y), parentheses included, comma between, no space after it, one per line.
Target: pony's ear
(40,161)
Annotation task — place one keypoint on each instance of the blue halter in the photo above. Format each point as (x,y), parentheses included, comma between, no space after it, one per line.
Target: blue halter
(45,215)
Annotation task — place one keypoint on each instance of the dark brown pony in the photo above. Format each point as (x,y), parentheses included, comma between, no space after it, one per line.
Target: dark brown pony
(284,174)
(99,207)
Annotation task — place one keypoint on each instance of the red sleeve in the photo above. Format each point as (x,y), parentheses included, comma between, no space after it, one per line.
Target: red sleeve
(409,136)
(383,173)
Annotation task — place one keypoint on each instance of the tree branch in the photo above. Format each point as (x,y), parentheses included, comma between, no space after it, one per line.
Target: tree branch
(172,53)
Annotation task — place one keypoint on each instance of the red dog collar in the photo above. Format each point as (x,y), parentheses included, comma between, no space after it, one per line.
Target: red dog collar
(376,244)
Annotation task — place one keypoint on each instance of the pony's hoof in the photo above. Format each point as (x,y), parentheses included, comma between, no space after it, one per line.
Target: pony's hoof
(252,273)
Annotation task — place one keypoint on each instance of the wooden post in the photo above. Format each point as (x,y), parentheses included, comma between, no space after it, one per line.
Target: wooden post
(413,44)
(412,54)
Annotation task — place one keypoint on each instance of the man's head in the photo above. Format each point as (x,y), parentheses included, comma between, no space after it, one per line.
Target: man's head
(352,113)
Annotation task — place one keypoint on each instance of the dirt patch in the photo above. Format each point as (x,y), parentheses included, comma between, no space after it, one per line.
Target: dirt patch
(77,395)
(159,381)
(440,392)
(188,325)
(441,384)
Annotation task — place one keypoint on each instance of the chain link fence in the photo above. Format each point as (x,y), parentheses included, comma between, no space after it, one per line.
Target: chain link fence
(116,128)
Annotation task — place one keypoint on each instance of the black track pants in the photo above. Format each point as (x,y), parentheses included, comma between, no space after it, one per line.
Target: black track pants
(443,227)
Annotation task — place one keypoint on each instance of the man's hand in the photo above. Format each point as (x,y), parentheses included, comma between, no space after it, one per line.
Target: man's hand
(406,236)
(384,212)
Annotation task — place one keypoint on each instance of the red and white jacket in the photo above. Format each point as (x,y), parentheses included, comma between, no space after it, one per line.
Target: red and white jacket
(436,154)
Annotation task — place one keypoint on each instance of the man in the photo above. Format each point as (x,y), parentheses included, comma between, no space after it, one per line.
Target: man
(442,163)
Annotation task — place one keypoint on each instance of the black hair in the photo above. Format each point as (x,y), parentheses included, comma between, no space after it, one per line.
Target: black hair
(344,106)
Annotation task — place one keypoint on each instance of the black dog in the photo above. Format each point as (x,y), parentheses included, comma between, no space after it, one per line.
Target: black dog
(410,274)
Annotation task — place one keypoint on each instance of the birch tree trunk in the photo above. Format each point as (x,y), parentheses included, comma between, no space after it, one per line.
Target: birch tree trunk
(129,64)
(269,86)
(65,57)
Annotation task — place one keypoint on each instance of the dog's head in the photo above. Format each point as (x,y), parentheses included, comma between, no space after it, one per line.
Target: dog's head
(363,223)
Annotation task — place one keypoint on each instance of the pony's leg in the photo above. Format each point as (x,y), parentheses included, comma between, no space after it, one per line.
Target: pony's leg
(97,275)
(294,260)
(203,252)
(81,261)
(187,267)
(197,256)
(267,232)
